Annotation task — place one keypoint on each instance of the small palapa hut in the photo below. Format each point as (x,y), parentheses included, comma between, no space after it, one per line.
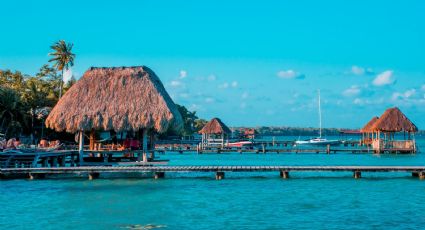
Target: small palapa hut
(214,133)
(367,133)
(384,131)
(120,99)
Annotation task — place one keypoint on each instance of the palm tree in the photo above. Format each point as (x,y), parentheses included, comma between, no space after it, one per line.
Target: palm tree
(63,58)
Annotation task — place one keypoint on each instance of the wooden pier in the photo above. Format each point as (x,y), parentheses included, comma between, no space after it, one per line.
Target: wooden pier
(94,172)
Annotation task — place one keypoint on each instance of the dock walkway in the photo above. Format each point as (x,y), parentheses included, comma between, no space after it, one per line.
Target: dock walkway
(159,171)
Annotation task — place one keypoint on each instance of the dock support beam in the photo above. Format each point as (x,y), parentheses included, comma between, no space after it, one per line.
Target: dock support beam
(93,175)
(415,174)
(219,175)
(357,174)
(284,174)
(159,175)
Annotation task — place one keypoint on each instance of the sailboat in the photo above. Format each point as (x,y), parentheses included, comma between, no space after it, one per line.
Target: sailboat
(318,140)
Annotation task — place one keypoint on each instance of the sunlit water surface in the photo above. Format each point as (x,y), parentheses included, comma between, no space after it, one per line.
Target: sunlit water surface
(240,201)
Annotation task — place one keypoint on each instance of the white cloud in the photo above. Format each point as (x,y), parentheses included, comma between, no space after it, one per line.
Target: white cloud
(357,70)
(183,74)
(245,95)
(211,77)
(423,88)
(194,107)
(224,86)
(176,84)
(352,91)
(384,78)
(358,101)
(290,74)
(243,105)
(209,100)
(184,95)
(404,96)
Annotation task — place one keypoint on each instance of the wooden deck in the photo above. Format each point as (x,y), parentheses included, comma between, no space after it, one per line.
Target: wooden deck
(159,171)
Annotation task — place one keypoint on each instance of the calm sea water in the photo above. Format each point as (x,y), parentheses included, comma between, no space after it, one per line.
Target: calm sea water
(240,201)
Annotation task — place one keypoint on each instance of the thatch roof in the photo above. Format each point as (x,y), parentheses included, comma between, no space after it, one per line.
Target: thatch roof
(368,127)
(393,120)
(118,98)
(215,126)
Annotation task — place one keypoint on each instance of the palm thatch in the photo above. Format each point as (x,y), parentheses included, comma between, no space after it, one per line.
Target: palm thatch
(393,120)
(368,127)
(215,126)
(119,99)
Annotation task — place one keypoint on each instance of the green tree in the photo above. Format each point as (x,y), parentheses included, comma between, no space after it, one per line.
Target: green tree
(63,58)
(13,117)
(12,80)
(199,124)
(188,120)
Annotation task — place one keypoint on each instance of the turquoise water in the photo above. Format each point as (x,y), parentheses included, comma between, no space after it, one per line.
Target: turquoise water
(240,201)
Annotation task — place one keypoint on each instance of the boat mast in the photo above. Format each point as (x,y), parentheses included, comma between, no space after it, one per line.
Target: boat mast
(320,116)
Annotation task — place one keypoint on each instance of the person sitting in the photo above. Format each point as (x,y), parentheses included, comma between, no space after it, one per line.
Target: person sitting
(54,144)
(43,143)
(17,143)
(9,144)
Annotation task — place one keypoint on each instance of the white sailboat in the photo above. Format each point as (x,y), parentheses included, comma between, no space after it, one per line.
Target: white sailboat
(318,140)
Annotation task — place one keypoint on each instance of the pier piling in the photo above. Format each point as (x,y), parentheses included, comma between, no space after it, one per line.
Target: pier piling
(159,175)
(219,175)
(284,174)
(422,175)
(33,176)
(93,175)
(357,174)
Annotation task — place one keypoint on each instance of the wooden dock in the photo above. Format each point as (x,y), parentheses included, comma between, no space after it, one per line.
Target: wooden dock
(94,172)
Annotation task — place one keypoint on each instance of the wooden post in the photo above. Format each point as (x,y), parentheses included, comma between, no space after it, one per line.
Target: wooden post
(32,176)
(145,145)
(93,175)
(91,140)
(357,174)
(81,147)
(159,175)
(219,175)
(55,162)
(328,149)
(45,162)
(284,174)
(421,175)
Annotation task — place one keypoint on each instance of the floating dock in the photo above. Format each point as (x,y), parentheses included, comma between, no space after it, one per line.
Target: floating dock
(94,172)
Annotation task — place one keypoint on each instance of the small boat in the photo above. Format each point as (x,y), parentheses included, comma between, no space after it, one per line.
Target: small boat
(239,144)
(319,140)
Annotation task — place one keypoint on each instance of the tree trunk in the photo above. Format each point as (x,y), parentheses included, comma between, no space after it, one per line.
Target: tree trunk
(60,86)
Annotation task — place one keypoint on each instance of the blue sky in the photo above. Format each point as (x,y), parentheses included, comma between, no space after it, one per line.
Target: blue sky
(247,62)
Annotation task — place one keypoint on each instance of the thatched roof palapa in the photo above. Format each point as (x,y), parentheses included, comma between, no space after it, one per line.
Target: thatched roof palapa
(393,120)
(118,98)
(368,127)
(215,126)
